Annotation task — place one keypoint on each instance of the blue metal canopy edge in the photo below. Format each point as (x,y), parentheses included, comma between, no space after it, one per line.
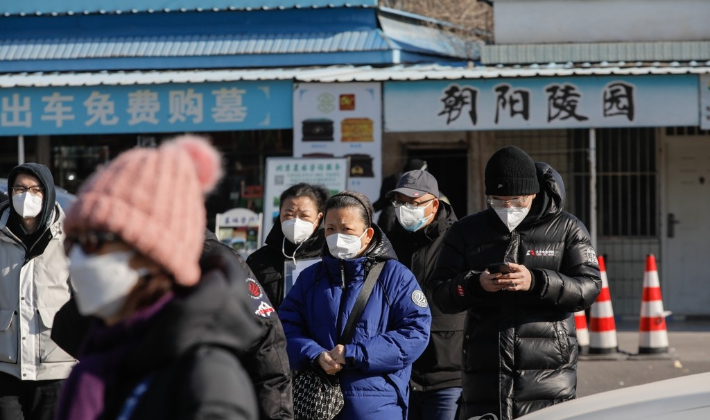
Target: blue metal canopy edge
(278,38)
(53,7)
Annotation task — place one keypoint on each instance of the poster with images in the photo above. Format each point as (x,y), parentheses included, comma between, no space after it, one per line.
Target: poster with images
(283,172)
(239,229)
(342,120)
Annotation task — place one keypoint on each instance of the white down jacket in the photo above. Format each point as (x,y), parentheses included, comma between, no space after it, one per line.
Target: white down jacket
(31,292)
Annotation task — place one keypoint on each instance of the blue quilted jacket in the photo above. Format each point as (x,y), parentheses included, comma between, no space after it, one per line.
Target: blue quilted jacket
(391,334)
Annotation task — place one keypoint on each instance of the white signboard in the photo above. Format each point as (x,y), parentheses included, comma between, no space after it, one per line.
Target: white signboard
(282,173)
(705,102)
(541,103)
(342,119)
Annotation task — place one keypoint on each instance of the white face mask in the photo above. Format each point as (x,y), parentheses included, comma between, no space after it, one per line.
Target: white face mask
(27,205)
(512,216)
(344,246)
(412,220)
(297,230)
(102,282)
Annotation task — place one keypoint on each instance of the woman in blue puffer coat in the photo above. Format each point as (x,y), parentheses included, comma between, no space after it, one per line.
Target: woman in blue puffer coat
(392,332)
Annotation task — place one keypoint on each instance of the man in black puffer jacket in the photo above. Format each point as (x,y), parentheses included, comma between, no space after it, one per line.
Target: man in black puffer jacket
(520,347)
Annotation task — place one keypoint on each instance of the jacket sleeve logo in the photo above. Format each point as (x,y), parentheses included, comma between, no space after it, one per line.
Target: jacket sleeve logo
(419,299)
(264,310)
(255,291)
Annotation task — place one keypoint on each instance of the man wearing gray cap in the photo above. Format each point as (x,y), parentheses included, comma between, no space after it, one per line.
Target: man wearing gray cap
(417,238)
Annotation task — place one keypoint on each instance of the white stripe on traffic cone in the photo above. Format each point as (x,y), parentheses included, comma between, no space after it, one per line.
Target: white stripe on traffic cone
(602,327)
(580,321)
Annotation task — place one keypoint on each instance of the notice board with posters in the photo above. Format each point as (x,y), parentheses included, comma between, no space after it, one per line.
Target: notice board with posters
(283,172)
(342,120)
(240,229)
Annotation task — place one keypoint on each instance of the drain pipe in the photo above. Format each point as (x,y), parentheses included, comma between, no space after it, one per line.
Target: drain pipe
(20,150)
(592,157)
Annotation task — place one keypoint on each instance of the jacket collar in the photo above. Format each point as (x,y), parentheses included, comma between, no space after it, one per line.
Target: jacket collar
(275,239)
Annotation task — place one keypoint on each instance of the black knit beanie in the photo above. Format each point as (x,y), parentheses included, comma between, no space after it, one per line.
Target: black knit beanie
(510,171)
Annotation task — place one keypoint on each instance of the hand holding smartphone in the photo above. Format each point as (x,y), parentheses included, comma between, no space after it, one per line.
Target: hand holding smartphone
(500,267)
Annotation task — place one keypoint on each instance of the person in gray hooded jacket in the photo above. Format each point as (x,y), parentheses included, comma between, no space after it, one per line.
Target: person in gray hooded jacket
(33,286)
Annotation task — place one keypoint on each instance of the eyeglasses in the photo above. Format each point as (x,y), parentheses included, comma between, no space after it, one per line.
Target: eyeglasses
(410,206)
(90,242)
(19,189)
(513,202)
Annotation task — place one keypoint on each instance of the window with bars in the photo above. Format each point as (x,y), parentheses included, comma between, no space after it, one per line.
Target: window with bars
(627,187)
(627,192)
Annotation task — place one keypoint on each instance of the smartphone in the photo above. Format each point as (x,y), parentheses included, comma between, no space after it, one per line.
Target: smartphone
(501,267)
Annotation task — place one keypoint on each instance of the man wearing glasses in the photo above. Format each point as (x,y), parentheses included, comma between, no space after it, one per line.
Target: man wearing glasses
(417,238)
(34,284)
(521,268)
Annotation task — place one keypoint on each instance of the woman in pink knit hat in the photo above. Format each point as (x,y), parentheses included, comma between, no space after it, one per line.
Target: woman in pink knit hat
(169,325)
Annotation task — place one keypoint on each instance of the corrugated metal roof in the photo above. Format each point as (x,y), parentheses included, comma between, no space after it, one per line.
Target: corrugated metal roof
(596,52)
(329,74)
(193,46)
(86,7)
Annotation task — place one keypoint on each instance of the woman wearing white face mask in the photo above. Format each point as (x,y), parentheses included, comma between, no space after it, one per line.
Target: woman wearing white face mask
(165,318)
(393,330)
(298,236)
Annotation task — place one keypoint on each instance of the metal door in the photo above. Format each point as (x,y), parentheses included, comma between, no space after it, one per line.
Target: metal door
(686,226)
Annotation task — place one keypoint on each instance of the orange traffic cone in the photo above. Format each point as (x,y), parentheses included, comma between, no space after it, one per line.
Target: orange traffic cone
(653,334)
(602,327)
(580,320)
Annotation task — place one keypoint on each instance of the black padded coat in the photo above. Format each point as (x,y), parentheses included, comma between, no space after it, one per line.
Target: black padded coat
(440,365)
(520,348)
(267,262)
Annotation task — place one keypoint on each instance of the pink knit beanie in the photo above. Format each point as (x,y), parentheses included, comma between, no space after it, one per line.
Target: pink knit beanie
(154,200)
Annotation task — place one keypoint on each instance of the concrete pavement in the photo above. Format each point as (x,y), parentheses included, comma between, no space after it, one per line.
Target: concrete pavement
(689,350)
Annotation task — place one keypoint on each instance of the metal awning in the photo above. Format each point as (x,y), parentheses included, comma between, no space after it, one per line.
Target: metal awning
(71,7)
(334,74)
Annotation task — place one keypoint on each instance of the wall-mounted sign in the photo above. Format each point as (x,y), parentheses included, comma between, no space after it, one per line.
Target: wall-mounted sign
(282,173)
(541,103)
(244,105)
(342,119)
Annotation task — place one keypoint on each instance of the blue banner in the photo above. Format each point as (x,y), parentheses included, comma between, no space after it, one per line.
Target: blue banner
(229,106)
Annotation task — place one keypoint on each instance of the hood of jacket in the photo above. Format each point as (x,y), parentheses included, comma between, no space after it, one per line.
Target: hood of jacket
(550,201)
(312,245)
(46,180)
(445,217)
(214,312)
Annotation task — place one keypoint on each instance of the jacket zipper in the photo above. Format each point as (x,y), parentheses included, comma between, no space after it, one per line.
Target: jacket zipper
(342,273)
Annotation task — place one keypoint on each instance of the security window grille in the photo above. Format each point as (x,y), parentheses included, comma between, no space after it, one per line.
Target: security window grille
(627,188)
(627,192)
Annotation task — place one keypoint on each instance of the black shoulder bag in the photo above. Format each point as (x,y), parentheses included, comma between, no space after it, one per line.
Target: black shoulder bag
(316,395)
